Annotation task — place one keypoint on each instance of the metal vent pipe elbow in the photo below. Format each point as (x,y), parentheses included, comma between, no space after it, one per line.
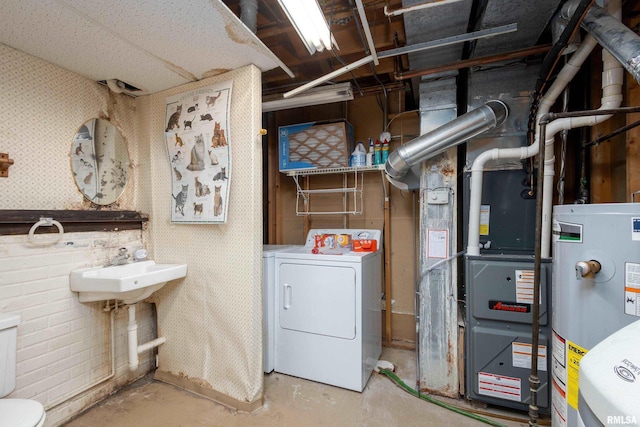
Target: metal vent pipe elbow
(426,146)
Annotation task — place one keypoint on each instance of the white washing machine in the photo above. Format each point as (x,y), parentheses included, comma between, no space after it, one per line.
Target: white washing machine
(328,312)
(268,303)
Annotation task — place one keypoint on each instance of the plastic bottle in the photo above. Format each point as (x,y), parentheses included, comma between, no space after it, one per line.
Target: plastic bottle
(377,156)
(385,151)
(370,154)
(359,156)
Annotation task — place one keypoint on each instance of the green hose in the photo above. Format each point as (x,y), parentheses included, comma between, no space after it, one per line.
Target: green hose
(399,382)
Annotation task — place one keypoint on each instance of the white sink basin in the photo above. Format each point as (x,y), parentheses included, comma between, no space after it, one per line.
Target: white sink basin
(130,283)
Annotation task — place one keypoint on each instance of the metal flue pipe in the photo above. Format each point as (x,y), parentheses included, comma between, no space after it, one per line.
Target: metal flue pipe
(618,39)
(426,146)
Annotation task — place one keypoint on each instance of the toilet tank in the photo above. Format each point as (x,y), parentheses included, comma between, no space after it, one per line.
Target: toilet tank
(8,333)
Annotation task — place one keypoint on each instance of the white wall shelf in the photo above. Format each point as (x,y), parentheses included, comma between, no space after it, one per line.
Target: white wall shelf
(349,191)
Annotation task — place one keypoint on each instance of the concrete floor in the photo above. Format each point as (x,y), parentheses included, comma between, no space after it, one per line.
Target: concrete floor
(288,401)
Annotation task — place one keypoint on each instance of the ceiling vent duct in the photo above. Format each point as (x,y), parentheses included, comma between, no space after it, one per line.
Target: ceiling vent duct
(400,165)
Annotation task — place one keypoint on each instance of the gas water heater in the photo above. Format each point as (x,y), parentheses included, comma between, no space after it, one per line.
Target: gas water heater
(596,290)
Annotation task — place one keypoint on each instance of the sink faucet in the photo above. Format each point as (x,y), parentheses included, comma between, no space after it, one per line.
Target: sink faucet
(121,258)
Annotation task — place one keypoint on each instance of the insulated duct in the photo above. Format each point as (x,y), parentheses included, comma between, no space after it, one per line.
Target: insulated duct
(618,39)
(400,165)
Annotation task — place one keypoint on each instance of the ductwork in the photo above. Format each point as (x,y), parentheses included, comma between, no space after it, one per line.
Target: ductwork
(619,40)
(249,14)
(400,165)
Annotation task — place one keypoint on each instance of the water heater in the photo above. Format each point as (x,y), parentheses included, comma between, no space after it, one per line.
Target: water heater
(596,290)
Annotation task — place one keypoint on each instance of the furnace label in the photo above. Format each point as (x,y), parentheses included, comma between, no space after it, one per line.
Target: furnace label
(499,386)
(521,356)
(485,213)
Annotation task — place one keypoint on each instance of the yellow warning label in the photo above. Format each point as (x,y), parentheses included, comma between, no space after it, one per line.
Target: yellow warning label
(485,212)
(574,355)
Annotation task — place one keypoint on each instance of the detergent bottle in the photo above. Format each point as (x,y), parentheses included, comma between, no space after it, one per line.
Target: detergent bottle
(359,156)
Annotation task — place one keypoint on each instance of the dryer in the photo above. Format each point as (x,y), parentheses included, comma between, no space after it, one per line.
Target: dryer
(328,311)
(268,304)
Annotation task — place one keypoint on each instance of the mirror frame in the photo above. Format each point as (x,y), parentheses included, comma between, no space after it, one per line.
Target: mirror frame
(100,161)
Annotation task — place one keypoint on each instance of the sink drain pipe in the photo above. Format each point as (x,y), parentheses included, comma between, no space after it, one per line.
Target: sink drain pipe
(132,334)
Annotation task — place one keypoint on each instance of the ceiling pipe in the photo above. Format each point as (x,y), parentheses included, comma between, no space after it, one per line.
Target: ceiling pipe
(400,163)
(618,39)
(446,41)
(467,63)
(400,11)
(249,14)
(115,85)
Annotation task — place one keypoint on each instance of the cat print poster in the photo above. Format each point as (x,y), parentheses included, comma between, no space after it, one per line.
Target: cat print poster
(198,143)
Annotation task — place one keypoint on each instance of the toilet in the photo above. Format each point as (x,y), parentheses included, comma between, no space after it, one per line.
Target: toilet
(14,412)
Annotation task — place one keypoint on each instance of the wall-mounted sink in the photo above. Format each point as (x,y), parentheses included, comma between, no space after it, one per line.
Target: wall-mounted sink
(130,283)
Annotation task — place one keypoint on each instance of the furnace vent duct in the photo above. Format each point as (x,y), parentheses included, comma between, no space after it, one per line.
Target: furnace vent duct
(618,39)
(400,163)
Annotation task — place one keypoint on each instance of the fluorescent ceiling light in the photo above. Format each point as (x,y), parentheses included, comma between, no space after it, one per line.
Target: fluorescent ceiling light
(315,96)
(308,20)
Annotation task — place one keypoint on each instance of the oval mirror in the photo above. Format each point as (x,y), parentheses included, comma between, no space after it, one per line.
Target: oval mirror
(100,161)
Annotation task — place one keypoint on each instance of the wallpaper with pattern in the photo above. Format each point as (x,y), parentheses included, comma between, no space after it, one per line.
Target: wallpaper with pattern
(42,106)
(211,318)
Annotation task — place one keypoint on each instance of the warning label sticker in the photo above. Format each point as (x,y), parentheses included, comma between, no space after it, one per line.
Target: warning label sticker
(524,286)
(521,356)
(575,353)
(559,405)
(632,288)
(559,380)
(485,214)
(499,386)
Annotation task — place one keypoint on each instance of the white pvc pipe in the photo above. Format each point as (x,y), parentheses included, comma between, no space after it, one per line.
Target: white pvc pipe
(132,338)
(134,348)
(567,73)
(398,12)
(612,77)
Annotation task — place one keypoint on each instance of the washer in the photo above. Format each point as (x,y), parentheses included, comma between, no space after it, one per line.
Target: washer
(328,312)
(268,303)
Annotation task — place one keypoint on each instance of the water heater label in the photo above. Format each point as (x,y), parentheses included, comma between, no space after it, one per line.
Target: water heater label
(632,288)
(559,380)
(567,232)
(635,229)
(575,353)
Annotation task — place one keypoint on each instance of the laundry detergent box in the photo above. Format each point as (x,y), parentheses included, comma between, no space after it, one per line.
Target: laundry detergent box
(315,145)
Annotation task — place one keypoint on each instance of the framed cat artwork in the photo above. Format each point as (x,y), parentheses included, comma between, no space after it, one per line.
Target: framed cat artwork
(199,153)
